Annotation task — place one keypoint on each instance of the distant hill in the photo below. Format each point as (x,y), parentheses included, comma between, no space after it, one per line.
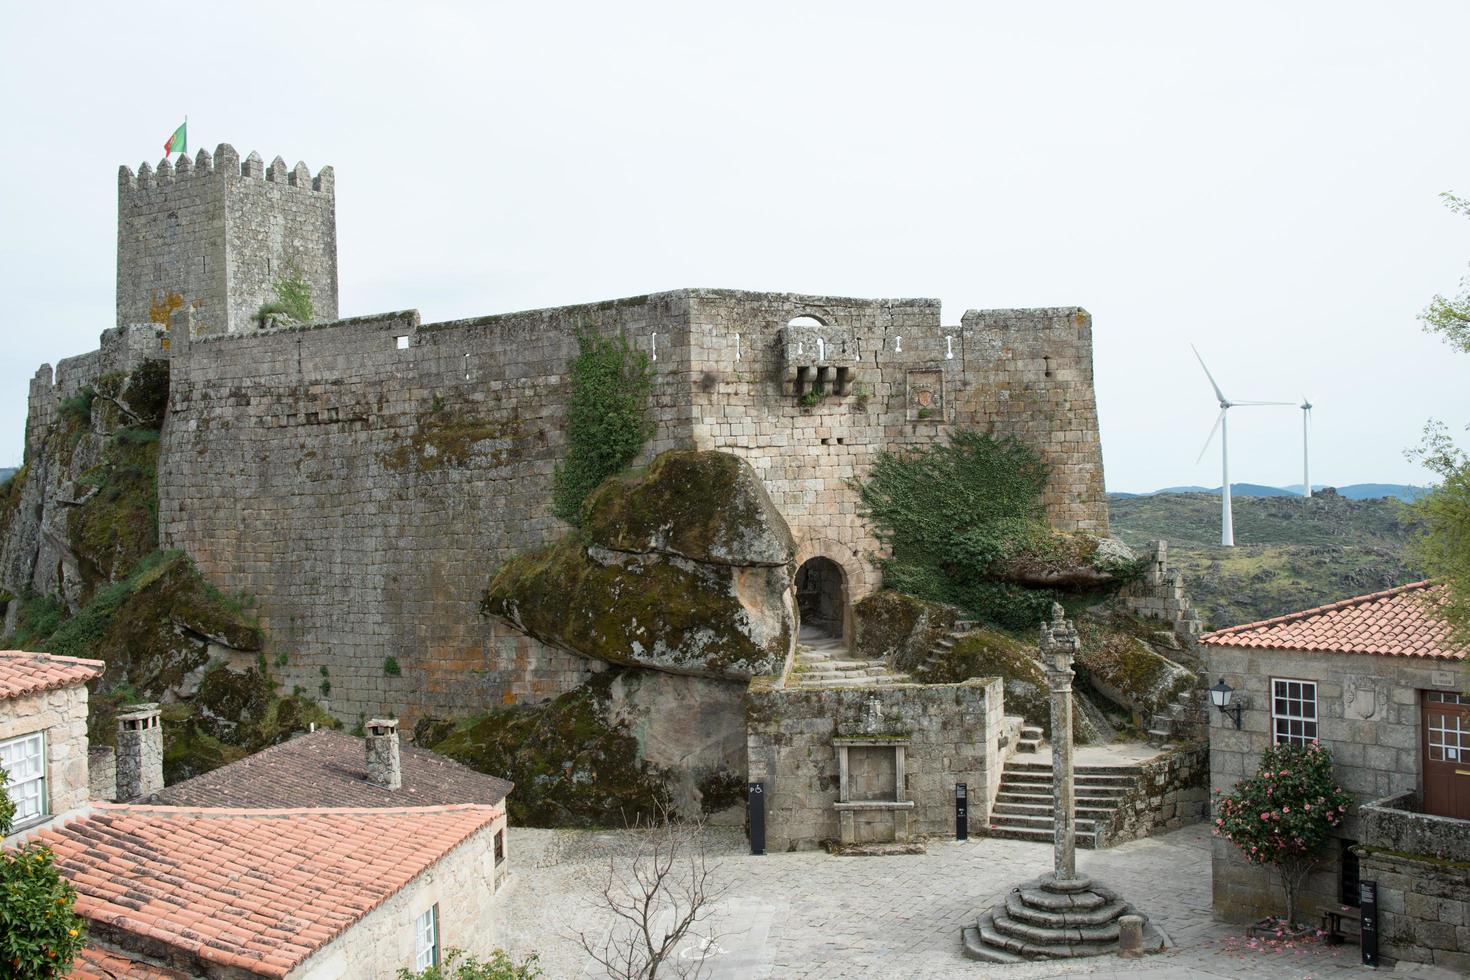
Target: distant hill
(1353,491)
(6,473)
(1290,554)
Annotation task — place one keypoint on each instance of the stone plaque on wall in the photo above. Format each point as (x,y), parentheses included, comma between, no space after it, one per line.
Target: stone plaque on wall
(926,396)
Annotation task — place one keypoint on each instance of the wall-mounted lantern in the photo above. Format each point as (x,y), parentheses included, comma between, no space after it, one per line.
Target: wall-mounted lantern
(1221,696)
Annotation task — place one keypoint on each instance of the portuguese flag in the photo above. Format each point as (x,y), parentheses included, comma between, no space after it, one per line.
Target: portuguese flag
(179,141)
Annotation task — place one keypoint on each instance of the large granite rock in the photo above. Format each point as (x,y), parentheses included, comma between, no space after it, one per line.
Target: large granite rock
(686,568)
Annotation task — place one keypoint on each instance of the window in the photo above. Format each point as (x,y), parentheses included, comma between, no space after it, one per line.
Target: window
(1449,735)
(499,848)
(1349,895)
(24,761)
(401,342)
(1293,712)
(426,939)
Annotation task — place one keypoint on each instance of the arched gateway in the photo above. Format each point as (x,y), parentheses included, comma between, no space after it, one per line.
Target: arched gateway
(821,598)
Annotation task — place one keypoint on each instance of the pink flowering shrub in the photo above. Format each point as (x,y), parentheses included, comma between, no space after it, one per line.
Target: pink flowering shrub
(1280,816)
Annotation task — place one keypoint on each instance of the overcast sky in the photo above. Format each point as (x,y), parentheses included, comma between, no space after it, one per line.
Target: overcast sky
(1259,179)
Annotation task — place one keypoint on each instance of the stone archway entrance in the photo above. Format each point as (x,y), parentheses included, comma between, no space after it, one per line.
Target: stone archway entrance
(821,598)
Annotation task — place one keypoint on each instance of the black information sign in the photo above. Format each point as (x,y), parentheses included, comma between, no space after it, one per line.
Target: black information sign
(1368,902)
(756,802)
(961,812)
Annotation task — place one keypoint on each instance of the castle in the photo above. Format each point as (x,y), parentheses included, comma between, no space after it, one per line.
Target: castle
(363,477)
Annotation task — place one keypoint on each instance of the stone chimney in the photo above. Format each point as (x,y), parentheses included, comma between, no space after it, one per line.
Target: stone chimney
(139,753)
(383,767)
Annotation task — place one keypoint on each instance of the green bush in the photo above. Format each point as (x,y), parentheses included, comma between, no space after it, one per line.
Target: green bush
(608,420)
(78,408)
(40,935)
(459,966)
(391,668)
(949,512)
(293,300)
(1280,816)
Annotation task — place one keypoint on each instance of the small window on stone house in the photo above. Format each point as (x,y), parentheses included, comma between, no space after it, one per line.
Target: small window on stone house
(426,939)
(24,762)
(402,342)
(1293,712)
(499,848)
(1348,876)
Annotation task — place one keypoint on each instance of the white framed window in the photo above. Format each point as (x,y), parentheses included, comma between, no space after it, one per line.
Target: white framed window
(1293,711)
(24,761)
(426,939)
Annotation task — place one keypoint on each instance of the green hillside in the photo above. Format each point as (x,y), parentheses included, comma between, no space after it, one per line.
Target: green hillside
(1291,553)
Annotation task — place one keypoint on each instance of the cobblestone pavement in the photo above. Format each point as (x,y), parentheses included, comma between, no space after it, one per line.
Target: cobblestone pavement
(811,915)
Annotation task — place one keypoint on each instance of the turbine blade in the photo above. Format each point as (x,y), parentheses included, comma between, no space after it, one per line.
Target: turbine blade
(1211,437)
(1218,393)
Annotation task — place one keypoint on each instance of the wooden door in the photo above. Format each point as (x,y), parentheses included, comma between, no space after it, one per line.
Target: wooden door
(1446,744)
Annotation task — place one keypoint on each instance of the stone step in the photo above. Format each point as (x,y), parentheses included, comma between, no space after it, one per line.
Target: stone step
(1050,936)
(1007,797)
(1067,918)
(1119,783)
(1028,744)
(1037,896)
(1031,731)
(1039,809)
(1085,841)
(992,936)
(976,948)
(1046,767)
(1038,821)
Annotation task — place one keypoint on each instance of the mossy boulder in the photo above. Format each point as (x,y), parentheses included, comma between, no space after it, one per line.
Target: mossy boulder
(1120,663)
(703,589)
(899,627)
(989,653)
(708,507)
(571,766)
(1069,561)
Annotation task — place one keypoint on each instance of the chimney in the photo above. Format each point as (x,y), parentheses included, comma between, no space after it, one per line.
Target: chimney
(139,753)
(383,768)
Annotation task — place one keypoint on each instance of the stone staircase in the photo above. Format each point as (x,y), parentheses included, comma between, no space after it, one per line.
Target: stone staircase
(822,661)
(1180,720)
(944,645)
(1023,805)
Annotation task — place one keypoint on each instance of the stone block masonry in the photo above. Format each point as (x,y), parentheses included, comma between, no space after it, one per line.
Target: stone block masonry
(219,231)
(950,734)
(62,714)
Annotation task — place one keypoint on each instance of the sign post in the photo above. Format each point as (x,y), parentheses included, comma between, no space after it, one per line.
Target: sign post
(1368,902)
(756,805)
(961,812)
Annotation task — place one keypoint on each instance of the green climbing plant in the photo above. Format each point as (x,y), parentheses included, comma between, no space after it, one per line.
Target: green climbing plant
(293,300)
(948,513)
(608,419)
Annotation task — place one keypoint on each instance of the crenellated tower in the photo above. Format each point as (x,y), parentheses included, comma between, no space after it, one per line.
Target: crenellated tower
(218,231)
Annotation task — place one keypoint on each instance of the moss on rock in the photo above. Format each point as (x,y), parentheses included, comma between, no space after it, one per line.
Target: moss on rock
(903,628)
(705,506)
(1118,663)
(627,589)
(989,653)
(570,766)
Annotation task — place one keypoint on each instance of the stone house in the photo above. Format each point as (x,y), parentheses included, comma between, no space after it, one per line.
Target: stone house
(1379,681)
(43,733)
(324,894)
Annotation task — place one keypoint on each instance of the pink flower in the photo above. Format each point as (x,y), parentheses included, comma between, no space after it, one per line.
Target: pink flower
(1265,816)
(1287,809)
(1309,807)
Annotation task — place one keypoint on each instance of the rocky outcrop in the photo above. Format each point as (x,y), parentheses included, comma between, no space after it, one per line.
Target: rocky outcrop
(900,628)
(1069,561)
(684,569)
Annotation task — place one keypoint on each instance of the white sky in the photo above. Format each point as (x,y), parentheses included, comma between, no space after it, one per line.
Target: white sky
(1258,178)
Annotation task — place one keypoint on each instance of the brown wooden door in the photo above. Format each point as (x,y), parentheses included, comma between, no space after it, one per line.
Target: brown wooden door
(1446,726)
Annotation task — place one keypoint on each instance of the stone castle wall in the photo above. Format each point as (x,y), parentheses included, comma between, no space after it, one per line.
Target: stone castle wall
(219,231)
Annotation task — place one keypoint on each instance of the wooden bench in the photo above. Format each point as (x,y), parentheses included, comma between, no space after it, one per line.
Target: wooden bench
(1333,921)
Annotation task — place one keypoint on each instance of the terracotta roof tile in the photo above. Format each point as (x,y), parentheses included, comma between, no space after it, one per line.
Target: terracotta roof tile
(22,672)
(1394,623)
(96,963)
(327,768)
(257,889)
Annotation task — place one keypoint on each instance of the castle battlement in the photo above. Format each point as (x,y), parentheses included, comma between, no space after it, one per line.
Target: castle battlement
(148,178)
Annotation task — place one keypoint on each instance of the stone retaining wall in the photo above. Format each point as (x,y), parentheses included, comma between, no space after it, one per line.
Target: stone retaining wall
(1173,791)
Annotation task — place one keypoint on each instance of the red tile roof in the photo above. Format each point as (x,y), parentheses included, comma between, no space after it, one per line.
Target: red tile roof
(260,890)
(96,963)
(1395,623)
(22,672)
(328,768)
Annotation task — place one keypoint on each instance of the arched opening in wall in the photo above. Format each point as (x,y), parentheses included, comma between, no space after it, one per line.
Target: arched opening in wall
(821,598)
(806,320)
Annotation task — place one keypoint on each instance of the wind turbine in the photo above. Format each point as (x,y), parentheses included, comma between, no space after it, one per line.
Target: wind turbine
(1227,521)
(1306,408)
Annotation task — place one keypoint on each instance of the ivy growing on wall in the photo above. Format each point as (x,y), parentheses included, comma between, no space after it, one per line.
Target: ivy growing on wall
(608,419)
(948,513)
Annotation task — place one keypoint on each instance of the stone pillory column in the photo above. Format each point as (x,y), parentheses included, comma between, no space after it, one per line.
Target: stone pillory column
(1058,646)
(383,767)
(139,753)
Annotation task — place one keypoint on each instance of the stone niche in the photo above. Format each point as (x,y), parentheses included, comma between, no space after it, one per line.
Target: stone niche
(871,808)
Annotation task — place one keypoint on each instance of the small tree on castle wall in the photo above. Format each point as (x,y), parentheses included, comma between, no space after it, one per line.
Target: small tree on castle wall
(1280,816)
